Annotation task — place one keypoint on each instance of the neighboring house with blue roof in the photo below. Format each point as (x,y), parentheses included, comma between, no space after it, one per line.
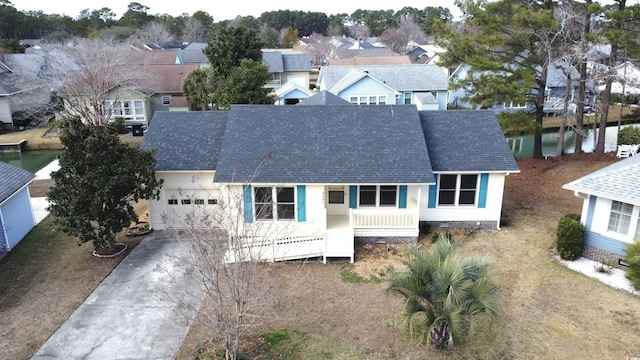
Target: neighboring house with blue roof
(422,85)
(330,173)
(611,209)
(16,214)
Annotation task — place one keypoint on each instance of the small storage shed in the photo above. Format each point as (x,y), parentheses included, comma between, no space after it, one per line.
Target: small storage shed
(16,213)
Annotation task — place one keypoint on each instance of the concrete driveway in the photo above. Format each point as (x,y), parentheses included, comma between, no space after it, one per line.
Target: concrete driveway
(127,316)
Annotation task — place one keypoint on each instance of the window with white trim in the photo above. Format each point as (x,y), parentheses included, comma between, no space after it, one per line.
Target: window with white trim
(407,98)
(336,195)
(274,203)
(457,190)
(620,217)
(172,201)
(166,100)
(129,110)
(378,195)
(368,100)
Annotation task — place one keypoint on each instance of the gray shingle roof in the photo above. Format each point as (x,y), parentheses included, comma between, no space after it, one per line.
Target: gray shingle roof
(399,77)
(273,60)
(618,181)
(324,98)
(192,57)
(324,144)
(466,140)
(296,62)
(13,178)
(188,140)
(426,98)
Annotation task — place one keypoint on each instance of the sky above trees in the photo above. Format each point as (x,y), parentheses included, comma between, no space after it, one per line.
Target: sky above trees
(221,11)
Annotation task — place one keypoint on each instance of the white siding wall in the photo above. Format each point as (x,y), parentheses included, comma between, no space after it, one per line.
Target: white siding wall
(176,183)
(495,192)
(5,111)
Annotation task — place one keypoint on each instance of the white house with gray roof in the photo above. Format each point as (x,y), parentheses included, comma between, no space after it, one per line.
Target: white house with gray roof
(422,85)
(332,173)
(611,209)
(16,213)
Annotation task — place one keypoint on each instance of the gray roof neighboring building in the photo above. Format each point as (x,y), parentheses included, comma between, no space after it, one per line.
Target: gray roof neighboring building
(324,144)
(7,81)
(13,179)
(324,98)
(466,140)
(273,60)
(196,46)
(426,98)
(278,61)
(618,181)
(398,77)
(192,57)
(188,140)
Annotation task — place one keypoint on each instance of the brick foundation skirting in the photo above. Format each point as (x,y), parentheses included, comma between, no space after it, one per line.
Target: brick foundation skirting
(603,256)
(385,239)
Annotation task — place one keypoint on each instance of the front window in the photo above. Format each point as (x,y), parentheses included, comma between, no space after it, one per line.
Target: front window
(458,190)
(368,100)
(336,196)
(166,100)
(407,98)
(383,195)
(388,195)
(274,203)
(368,195)
(620,217)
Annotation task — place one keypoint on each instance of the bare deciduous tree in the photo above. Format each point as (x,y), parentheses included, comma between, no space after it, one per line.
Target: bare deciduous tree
(194,31)
(236,290)
(407,32)
(92,77)
(154,34)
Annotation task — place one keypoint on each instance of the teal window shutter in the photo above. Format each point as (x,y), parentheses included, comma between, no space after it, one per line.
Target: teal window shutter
(433,193)
(353,196)
(302,203)
(402,197)
(248,203)
(482,198)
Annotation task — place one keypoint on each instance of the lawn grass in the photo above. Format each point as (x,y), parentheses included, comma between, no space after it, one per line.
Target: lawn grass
(42,281)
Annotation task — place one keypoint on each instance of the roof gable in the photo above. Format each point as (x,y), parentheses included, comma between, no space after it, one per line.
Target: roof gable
(466,140)
(13,178)
(324,98)
(356,76)
(324,144)
(399,77)
(185,141)
(618,181)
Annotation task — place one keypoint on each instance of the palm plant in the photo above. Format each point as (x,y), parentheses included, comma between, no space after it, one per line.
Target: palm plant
(445,296)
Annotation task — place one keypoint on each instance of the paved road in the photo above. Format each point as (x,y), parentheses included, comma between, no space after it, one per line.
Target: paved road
(127,316)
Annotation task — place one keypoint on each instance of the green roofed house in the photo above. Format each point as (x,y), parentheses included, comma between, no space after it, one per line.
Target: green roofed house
(16,214)
(333,173)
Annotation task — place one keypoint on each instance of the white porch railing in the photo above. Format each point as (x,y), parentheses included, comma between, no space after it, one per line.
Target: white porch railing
(381,219)
(284,248)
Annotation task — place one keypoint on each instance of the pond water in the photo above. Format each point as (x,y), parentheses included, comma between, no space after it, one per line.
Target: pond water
(522,146)
(32,160)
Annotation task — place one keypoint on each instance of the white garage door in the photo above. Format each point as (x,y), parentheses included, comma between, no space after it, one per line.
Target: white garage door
(181,206)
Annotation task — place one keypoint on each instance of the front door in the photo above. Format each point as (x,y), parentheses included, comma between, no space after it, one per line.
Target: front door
(336,200)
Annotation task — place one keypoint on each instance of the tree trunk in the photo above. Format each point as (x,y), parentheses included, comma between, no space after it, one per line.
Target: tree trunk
(537,140)
(606,97)
(583,80)
(565,113)
(440,336)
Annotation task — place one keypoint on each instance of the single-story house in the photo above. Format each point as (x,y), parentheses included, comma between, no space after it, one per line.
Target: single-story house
(425,86)
(16,214)
(332,174)
(611,210)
